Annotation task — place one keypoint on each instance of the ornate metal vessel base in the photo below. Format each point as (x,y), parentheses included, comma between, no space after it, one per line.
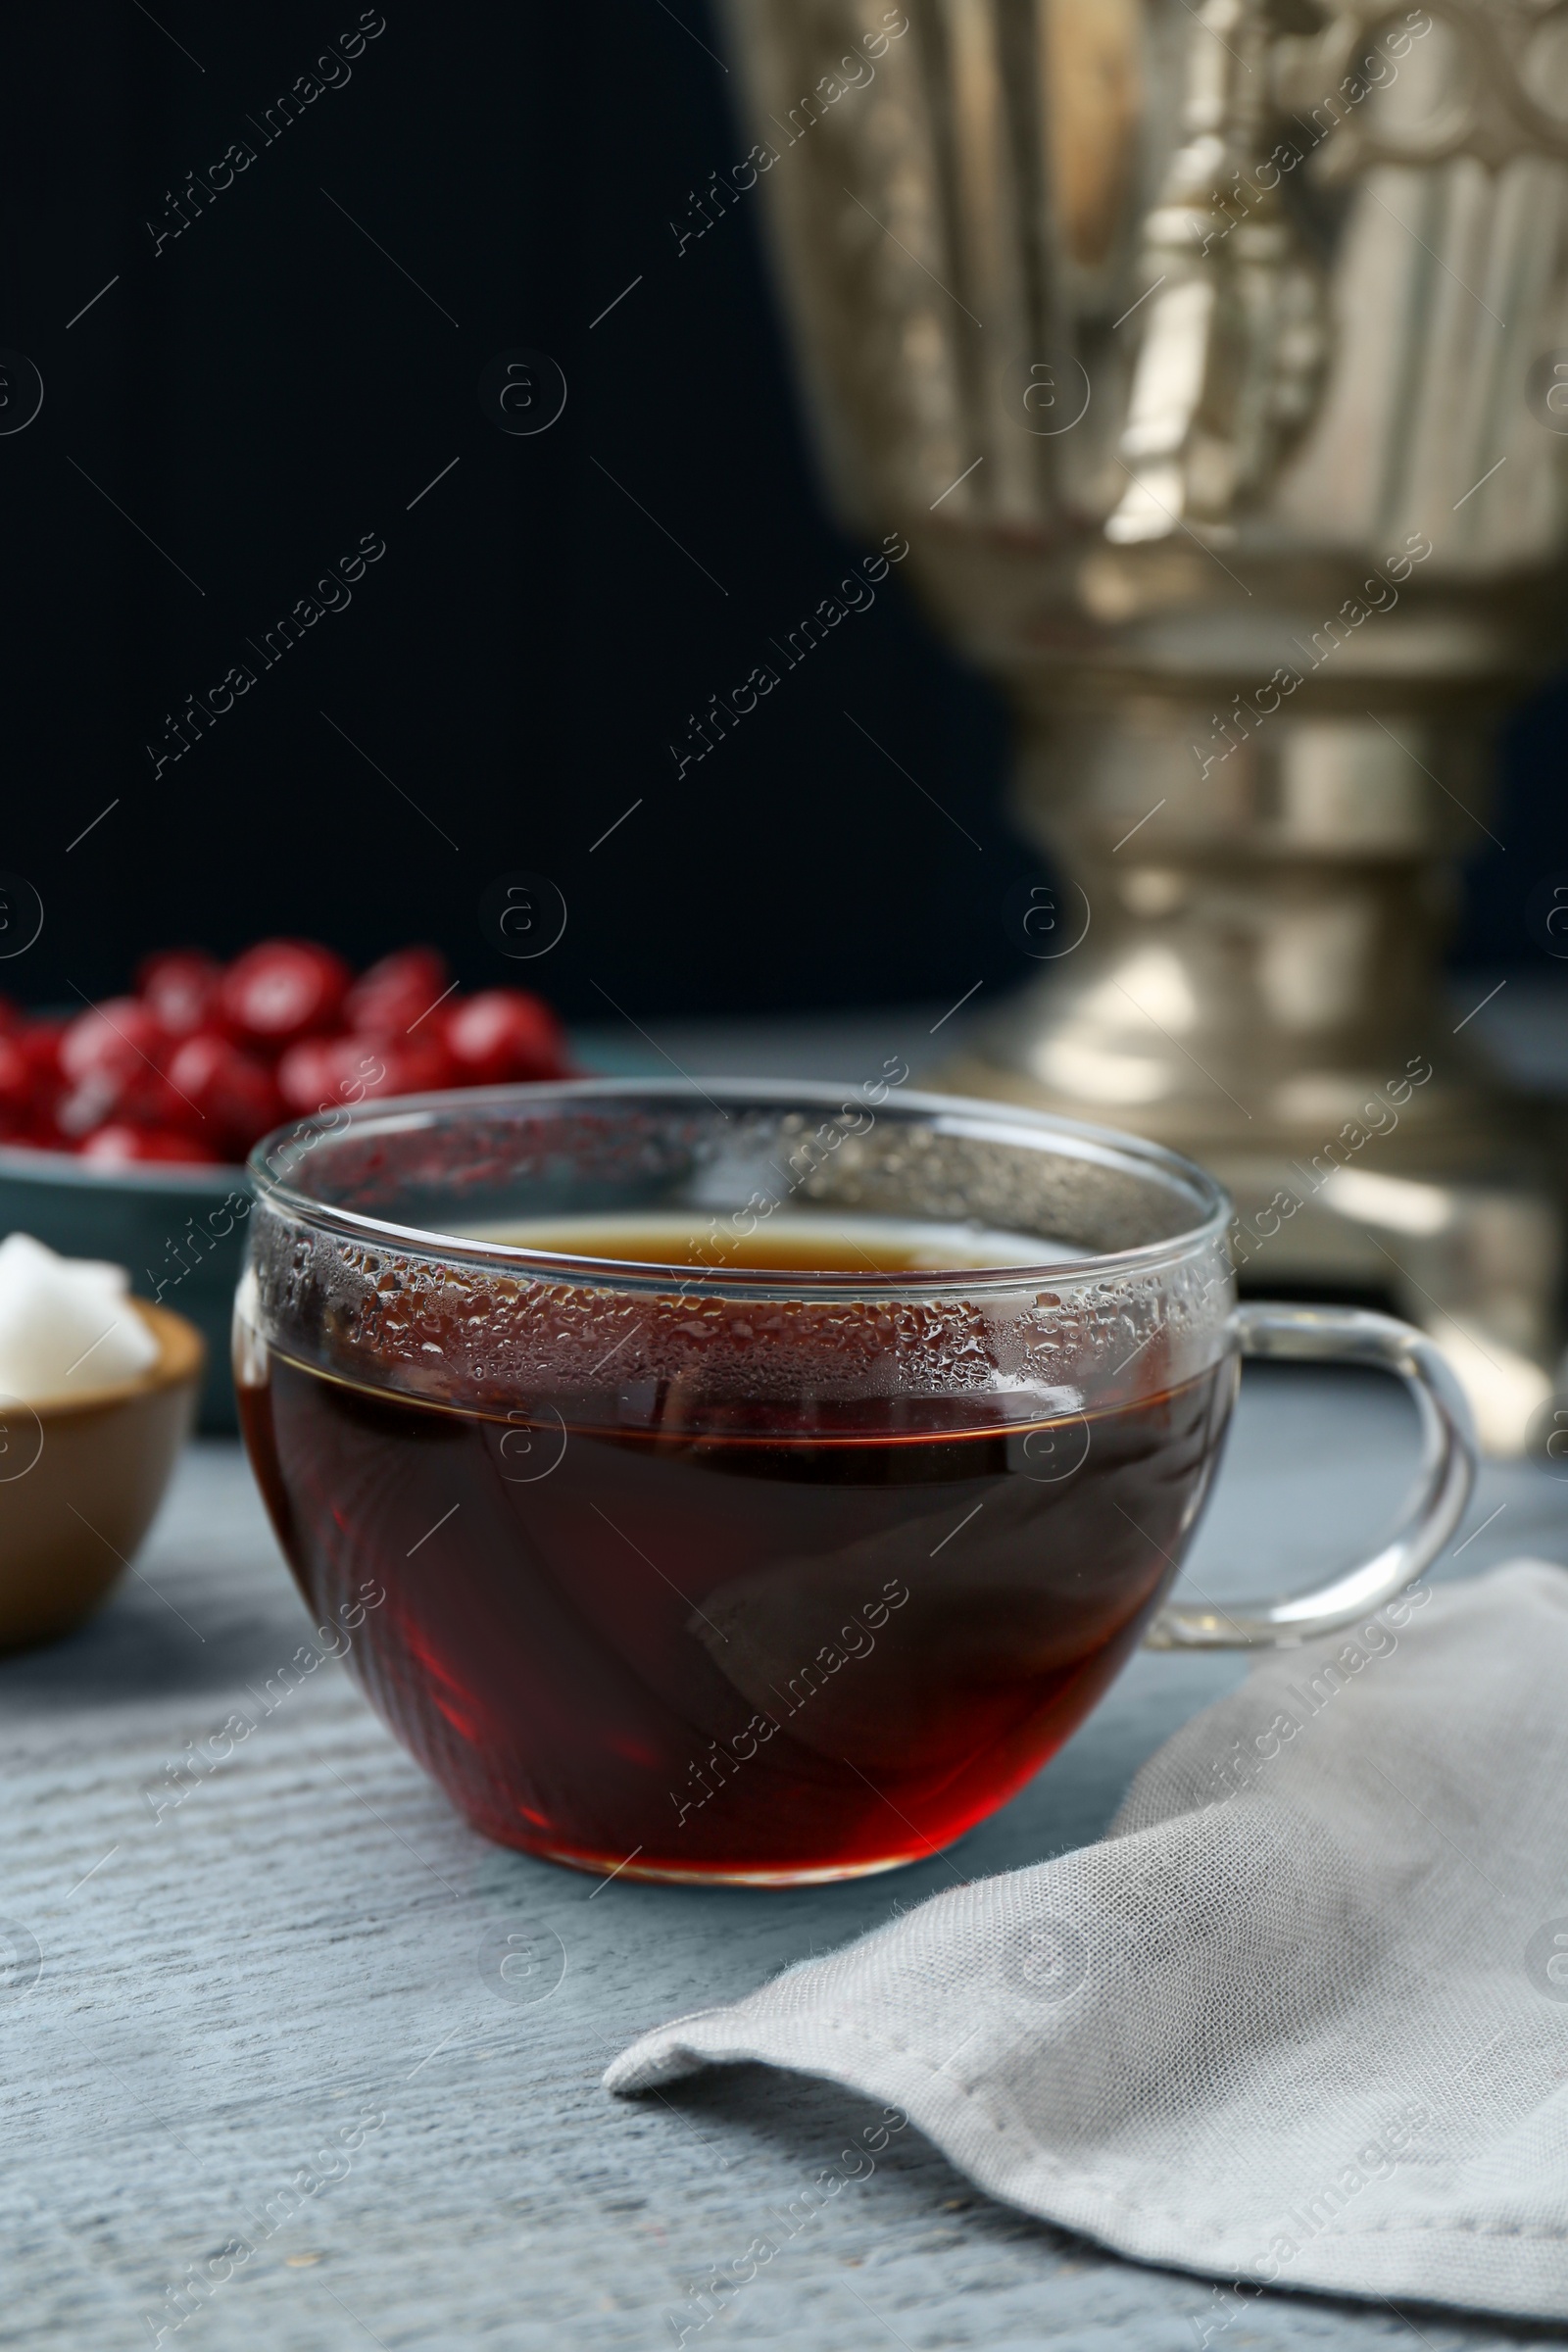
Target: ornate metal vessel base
(1241,961)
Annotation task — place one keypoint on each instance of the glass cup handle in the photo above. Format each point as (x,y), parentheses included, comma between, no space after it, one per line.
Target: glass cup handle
(1345,1334)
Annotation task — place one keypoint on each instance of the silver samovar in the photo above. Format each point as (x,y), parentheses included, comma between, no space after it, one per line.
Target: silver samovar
(1208,358)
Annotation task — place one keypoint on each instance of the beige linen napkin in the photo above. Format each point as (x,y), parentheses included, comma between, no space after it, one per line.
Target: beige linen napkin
(1300,2020)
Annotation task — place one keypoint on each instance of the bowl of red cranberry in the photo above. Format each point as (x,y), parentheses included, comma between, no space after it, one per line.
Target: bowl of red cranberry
(124,1126)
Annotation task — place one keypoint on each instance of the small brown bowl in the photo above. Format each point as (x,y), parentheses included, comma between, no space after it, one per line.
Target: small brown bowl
(81,1479)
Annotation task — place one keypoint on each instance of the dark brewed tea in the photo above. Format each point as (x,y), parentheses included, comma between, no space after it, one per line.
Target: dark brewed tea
(790,1635)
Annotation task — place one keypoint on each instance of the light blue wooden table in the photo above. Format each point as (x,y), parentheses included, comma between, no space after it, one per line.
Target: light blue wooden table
(281,2016)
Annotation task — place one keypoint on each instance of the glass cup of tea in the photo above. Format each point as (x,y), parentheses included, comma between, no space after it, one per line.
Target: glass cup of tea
(758,1482)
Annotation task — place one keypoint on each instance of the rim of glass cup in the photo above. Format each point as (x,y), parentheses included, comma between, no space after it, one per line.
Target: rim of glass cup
(952,1115)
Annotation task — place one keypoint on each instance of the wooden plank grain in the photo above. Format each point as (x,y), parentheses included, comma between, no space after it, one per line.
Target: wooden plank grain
(272,2016)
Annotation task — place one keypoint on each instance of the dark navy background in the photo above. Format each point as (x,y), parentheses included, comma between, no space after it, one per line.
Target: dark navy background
(272,387)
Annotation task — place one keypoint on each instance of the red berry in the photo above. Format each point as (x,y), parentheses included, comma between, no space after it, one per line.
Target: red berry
(18,1090)
(322,1071)
(119,1146)
(283,990)
(179,985)
(114,1039)
(414,1065)
(395,994)
(139,1098)
(40,1042)
(305,1074)
(234,1096)
(505,1033)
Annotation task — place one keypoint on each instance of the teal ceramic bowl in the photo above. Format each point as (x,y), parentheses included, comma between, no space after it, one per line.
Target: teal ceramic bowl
(180,1232)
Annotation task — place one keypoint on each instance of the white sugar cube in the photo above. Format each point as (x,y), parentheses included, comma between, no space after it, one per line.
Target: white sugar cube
(66,1324)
